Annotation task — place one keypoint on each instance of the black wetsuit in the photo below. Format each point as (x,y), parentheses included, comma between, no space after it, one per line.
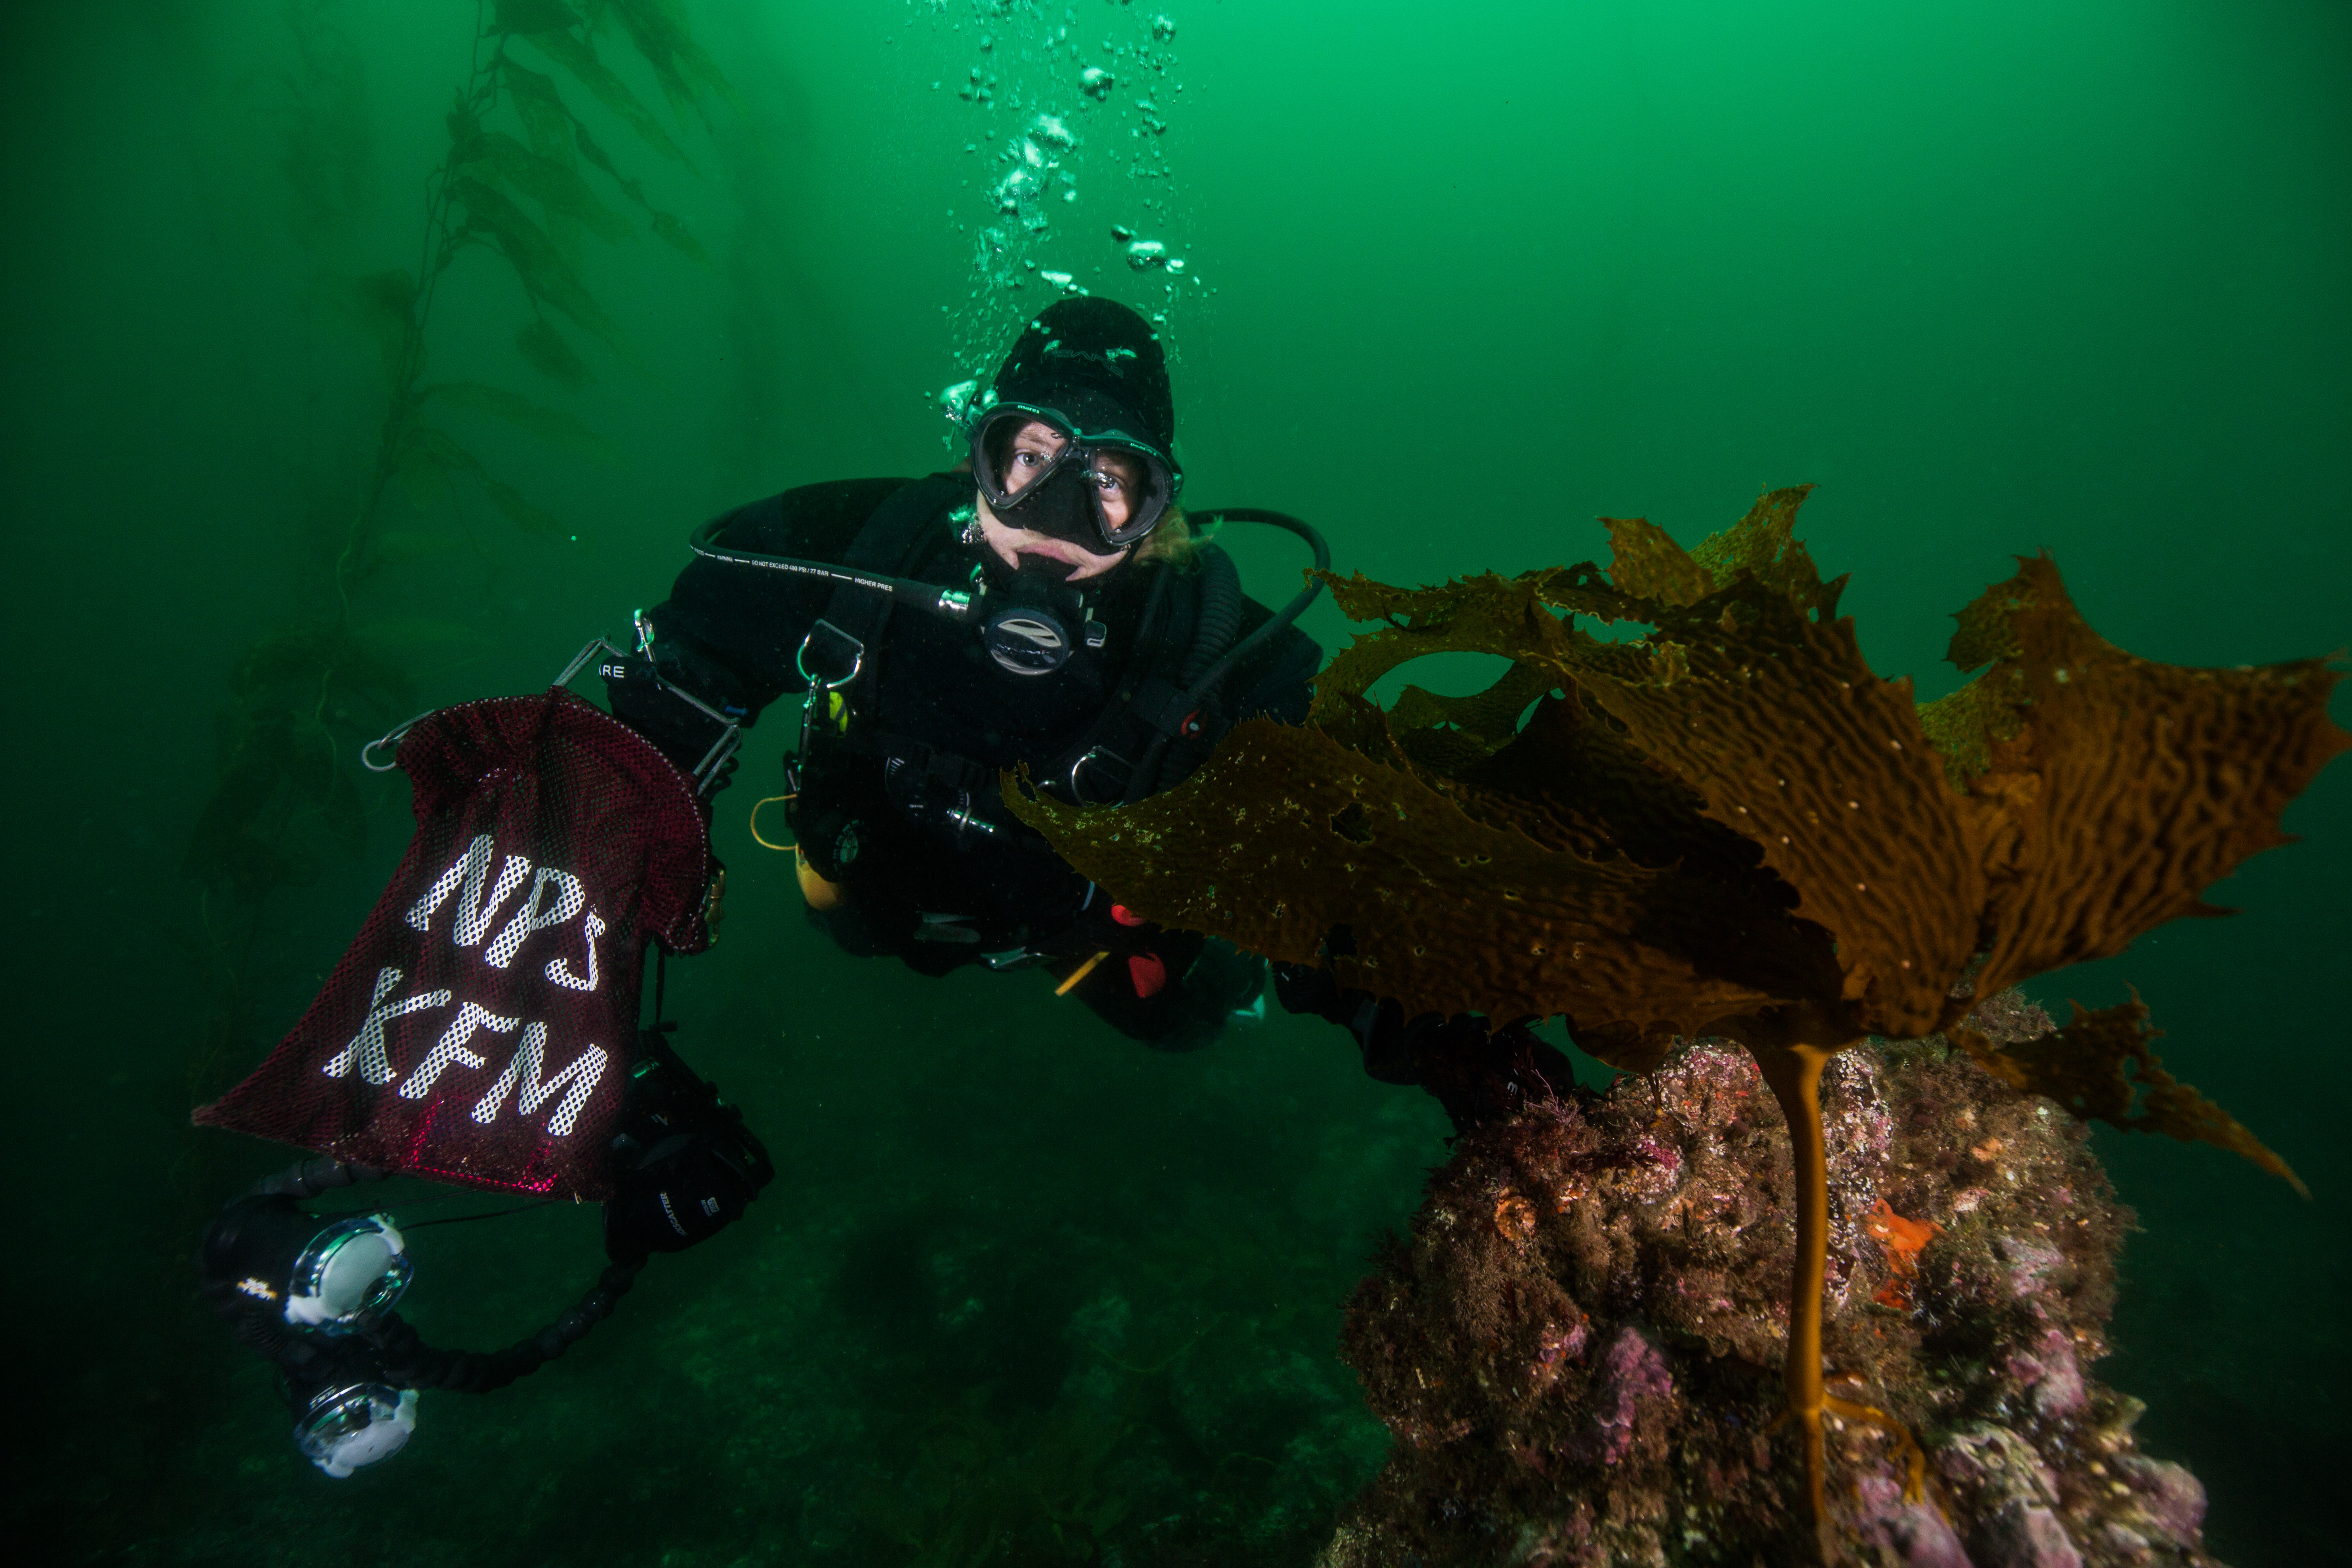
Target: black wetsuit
(936,872)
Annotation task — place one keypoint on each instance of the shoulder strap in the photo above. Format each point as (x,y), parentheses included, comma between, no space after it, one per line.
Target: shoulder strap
(1099,767)
(854,618)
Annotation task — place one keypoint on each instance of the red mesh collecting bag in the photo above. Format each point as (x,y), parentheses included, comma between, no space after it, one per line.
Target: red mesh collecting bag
(480,1027)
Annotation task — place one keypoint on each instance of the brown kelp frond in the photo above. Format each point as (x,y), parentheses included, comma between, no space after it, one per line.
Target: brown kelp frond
(1291,845)
(2128,787)
(1774,718)
(1964,726)
(1732,809)
(1449,735)
(2103,1061)
(1509,616)
(1644,561)
(1763,545)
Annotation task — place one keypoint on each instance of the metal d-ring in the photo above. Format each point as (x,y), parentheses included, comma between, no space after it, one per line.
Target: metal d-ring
(1092,754)
(856,661)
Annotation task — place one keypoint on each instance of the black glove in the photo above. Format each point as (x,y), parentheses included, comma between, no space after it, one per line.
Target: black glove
(1479,1070)
(685,1164)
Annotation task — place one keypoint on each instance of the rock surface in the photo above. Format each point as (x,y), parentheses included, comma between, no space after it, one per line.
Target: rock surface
(1578,1349)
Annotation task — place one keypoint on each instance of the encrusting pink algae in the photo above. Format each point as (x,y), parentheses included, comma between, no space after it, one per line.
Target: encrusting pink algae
(1596,1379)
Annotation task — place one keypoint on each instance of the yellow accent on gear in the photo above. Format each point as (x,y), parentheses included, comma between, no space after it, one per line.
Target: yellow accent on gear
(755,821)
(1080,972)
(821,894)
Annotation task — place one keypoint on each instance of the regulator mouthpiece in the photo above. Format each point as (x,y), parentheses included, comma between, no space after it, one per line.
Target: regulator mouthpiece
(1027,639)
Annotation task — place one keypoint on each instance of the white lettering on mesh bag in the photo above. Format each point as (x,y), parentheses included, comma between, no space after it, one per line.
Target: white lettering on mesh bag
(477,905)
(536,915)
(474,862)
(559,971)
(366,1048)
(523,1072)
(450,1050)
(476,912)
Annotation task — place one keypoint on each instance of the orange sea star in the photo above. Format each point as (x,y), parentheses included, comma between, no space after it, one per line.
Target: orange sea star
(1904,1239)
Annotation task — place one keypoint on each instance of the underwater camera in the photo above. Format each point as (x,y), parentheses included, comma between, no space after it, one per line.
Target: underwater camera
(314,1294)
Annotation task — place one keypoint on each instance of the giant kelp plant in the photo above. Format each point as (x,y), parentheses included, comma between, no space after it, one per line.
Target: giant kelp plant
(514,183)
(1729,825)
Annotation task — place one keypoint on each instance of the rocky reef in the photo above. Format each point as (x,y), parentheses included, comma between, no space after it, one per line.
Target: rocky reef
(1578,1349)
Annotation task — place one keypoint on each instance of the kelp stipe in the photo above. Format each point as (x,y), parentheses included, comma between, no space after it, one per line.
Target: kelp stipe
(1732,826)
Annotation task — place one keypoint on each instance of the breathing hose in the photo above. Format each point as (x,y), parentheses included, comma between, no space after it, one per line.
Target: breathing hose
(1146,773)
(1221,614)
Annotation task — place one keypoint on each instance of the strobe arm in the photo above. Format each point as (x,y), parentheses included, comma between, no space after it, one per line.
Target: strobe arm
(407,1362)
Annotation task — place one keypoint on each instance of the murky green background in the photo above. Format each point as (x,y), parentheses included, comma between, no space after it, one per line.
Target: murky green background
(1999,277)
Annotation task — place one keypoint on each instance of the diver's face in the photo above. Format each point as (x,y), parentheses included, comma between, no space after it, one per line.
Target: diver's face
(1115,477)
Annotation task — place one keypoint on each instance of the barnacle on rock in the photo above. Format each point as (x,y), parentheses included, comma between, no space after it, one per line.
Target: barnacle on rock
(1730,825)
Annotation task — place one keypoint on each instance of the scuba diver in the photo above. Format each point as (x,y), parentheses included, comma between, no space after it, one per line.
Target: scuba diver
(1045,606)
(1081,614)
(1107,648)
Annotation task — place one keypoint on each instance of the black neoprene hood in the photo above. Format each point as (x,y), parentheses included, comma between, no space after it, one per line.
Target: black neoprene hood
(1098,361)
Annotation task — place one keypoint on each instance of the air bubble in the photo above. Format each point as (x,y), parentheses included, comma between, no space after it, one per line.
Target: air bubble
(1096,82)
(1162,28)
(953,400)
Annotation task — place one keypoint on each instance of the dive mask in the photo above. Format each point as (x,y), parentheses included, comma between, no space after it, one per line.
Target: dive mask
(1102,459)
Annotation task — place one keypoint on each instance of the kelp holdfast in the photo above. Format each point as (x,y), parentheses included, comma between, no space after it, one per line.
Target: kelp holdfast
(479,1029)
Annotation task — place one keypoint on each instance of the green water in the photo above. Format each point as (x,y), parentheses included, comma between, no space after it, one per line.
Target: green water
(1999,277)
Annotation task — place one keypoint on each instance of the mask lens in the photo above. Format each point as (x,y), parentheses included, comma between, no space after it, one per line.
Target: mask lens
(1138,480)
(1014,448)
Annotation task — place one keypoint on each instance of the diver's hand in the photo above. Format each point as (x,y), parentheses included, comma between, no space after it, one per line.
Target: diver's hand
(685,1165)
(690,1187)
(1479,1070)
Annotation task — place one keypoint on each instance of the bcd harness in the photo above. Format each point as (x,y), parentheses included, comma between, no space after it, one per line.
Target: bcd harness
(1156,724)
(844,749)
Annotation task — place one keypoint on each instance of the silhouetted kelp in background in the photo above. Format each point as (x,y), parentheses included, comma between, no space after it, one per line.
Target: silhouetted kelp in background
(1729,825)
(513,182)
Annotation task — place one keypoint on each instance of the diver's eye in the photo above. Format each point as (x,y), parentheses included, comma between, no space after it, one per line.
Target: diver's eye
(1108,482)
